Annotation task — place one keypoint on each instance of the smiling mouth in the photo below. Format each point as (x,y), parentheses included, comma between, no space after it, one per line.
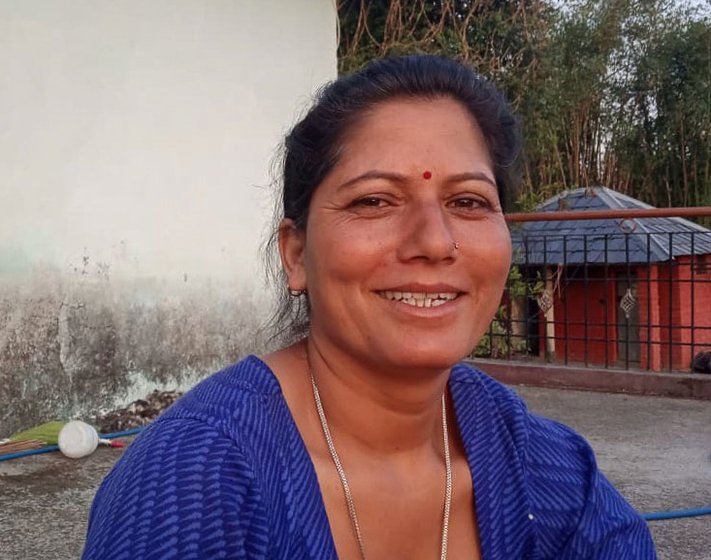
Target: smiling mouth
(419,299)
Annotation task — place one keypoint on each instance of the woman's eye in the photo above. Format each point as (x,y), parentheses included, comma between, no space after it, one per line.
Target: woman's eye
(469,202)
(369,202)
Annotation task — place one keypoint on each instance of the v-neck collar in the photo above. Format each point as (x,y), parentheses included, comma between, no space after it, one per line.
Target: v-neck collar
(500,497)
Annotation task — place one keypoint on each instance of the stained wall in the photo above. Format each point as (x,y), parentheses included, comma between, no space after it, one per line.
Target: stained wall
(136,140)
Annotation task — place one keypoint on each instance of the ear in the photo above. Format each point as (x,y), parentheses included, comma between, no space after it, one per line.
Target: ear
(292,244)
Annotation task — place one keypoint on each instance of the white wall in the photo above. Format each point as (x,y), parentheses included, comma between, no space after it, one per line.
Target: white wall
(139,133)
(136,138)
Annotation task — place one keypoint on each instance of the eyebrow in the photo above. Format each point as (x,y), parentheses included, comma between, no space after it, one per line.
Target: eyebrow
(471,176)
(398,178)
(374,174)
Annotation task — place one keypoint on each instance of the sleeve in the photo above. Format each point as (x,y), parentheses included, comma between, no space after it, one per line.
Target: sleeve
(579,514)
(181,490)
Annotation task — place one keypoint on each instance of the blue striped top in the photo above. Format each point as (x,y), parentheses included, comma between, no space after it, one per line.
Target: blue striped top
(224,473)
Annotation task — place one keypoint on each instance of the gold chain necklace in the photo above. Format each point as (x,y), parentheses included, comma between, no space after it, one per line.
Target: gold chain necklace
(347,491)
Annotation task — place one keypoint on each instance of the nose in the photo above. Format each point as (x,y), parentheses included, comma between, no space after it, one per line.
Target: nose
(428,233)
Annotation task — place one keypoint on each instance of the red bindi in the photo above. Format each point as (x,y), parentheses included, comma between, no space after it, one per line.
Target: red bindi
(427,175)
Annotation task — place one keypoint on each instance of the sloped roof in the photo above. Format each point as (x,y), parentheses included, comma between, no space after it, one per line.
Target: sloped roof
(611,241)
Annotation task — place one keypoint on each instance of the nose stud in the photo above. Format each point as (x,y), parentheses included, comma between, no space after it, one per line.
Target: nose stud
(456,245)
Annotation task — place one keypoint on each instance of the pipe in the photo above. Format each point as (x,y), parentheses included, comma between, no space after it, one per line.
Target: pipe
(676,514)
(628,213)
(19,454)
(130,432)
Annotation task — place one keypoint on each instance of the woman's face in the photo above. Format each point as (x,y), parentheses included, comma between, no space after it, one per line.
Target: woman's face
(386,284)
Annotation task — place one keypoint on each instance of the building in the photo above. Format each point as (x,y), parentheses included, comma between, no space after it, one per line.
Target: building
(632,292)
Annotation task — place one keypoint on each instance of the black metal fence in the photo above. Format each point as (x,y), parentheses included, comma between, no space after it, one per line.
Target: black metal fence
(608,292)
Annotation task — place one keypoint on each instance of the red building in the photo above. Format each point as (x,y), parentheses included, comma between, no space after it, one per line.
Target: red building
(632,293)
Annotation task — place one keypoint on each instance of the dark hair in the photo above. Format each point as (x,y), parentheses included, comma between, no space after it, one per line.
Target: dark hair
(312,148)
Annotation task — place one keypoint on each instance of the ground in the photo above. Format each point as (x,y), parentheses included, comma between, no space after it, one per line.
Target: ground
(656,450)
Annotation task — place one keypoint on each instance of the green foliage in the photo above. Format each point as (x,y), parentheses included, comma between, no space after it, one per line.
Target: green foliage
(501,38)
(528,201)
(500,340)
(667,126)
(497,341)
(518,287)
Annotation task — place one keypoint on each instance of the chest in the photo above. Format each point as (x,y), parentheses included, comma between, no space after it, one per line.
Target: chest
(400,517)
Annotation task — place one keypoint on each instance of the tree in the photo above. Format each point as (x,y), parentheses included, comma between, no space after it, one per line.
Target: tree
(663,140)
(610,92)
(500,38)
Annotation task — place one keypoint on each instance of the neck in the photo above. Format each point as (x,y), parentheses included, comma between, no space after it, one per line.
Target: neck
(383,412)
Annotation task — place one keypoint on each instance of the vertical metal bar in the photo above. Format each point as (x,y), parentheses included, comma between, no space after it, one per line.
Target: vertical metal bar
(586,314)
(526,296)
(606,279)
(566,318)
(671,307)
(508,322)
(629,287)
(491,338)
(692,287)
(545,280)
(650,342)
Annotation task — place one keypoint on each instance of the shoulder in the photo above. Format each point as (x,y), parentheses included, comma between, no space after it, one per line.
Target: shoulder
(189,481)
(577,512)
(228,396)
(497,407)
(541,443)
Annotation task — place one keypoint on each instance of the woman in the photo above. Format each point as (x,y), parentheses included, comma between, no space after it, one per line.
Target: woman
(365,438)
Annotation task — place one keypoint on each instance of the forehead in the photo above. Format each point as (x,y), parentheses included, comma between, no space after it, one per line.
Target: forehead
(440,130)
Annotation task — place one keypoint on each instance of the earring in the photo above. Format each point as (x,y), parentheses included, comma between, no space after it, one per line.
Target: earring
(296,293)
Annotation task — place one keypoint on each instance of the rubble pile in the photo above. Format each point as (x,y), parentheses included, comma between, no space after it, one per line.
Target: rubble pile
(138,413)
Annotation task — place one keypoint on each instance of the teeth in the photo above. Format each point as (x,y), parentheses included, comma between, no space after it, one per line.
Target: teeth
(419,299)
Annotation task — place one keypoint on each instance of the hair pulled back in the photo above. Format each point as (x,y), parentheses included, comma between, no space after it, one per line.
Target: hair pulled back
(313,146)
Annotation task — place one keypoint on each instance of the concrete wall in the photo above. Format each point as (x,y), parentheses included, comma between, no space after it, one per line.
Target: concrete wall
(135,146)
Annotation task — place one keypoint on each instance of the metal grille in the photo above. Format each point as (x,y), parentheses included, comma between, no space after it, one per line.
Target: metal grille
(638,298)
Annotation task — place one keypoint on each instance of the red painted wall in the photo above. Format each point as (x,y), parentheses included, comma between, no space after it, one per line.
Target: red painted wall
(677,299)
(585,318)
(674,302)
